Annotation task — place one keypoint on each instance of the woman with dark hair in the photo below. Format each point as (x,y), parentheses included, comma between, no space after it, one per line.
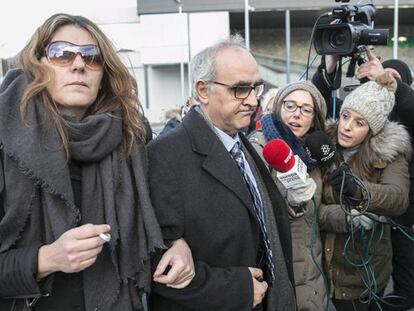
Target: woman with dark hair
(76,223)
(357,242)
(299,109)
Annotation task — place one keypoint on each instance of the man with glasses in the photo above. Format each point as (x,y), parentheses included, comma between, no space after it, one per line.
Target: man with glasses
(211,188)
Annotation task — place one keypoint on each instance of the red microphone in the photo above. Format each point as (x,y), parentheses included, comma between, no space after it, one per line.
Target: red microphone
(291,171)
(278,155)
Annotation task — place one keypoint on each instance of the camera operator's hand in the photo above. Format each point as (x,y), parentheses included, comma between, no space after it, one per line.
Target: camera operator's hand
(372,68)
(331,62)
(335,179)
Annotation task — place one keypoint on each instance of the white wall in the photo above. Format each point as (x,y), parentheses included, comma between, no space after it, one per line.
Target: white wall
(164,38)
(207,29)
(164,91)
(161,44)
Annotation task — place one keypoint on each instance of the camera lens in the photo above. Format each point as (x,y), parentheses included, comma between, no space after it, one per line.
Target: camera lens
(337,39)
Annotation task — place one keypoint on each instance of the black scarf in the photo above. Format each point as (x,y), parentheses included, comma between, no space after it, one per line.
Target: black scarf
(114,191)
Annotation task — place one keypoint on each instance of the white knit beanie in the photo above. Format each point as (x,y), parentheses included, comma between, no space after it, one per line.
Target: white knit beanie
(373,100)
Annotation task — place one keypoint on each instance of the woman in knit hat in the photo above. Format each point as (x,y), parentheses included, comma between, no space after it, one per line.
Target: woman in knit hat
(357,246)
(299,109)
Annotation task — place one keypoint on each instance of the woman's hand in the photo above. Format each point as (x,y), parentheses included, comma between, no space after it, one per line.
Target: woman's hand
(340,175)
(74,251)
(303,193)
(180,260)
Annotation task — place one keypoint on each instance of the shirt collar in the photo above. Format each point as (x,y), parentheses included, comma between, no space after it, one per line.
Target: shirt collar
(227,140)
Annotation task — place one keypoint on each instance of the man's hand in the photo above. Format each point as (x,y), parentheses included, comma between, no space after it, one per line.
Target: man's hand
(259,286)
(372,68)
(74,251)
(180,260)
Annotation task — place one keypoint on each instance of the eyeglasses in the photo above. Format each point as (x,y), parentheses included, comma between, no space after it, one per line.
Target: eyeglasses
(291,106)
(243,91)
(62,53)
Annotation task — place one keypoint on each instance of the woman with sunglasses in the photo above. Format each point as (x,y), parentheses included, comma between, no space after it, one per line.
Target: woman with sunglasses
(76,224)
(299,109)
(357,242)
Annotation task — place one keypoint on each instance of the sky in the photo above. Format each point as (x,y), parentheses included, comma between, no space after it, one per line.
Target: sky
(20,18)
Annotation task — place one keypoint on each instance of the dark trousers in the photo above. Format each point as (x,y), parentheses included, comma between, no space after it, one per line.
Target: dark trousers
(402,297)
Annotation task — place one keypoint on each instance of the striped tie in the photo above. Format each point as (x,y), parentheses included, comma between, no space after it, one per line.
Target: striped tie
(258,206)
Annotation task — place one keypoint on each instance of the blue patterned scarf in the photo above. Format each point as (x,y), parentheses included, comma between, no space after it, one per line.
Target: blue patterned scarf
(272,128)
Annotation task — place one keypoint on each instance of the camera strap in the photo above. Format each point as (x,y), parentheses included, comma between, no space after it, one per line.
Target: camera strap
(334,83)
(351,68)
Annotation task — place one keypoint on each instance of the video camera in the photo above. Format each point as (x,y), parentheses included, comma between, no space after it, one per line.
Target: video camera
(353,30)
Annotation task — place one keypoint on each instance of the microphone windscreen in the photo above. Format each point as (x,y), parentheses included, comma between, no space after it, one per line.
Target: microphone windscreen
(320,148)
(278,155)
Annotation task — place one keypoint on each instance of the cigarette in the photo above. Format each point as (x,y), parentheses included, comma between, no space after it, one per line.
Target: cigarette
(105,236)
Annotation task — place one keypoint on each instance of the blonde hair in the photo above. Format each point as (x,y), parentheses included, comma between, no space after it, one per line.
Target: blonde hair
(268,99)
(173,113)
(117,92)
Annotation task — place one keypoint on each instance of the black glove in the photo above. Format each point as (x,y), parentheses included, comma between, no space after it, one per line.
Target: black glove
(335,179)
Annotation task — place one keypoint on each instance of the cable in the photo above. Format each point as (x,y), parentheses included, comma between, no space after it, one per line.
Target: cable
(361,245)
(311,40)
(359,251)
(310,65)
(363,203)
